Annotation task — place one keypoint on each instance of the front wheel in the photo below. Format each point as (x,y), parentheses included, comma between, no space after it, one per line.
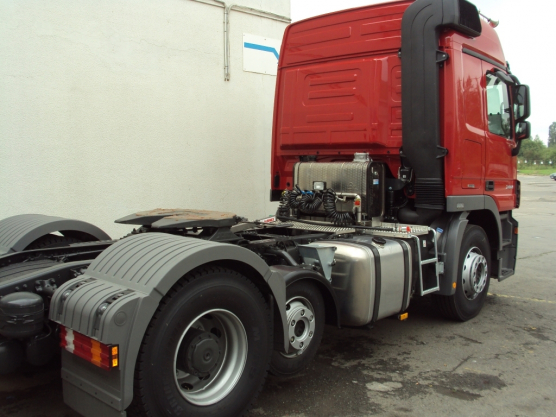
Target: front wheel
(207,349)
(473,277)
(305,313)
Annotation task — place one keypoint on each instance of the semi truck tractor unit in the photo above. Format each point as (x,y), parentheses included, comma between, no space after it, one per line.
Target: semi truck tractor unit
(395,136)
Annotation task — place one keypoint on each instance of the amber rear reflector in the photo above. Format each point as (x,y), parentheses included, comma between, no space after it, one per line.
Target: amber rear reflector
(99,354)
(403,316)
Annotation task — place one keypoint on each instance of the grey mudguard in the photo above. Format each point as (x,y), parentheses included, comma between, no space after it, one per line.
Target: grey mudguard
(470,203)
(451,246)
(17,232)
(291,274)
(132,276)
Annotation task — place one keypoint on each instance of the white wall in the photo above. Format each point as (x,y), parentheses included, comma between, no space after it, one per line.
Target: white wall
(110,107)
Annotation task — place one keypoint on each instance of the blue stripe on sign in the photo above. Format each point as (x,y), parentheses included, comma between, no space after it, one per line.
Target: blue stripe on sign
(261,48)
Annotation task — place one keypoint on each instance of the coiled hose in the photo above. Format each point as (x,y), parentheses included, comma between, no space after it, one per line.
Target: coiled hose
(329,204)
(284,207)
(309,202)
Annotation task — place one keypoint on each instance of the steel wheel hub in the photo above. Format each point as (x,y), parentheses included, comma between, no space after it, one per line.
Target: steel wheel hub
(301,325)
(474,273)
(200,352)
(210,357)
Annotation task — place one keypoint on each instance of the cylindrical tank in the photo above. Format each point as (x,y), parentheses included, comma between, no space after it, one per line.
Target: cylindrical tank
(21,315)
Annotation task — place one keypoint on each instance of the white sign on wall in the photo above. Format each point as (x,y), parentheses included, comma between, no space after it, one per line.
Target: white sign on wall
(260,54)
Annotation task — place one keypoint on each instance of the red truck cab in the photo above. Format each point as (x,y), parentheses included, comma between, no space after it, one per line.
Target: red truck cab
(343,87)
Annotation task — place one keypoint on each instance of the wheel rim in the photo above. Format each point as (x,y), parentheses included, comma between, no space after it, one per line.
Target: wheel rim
(474,273)
(301,325)
(210,357)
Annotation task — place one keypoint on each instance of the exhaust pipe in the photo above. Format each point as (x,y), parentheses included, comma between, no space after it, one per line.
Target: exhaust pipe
(421,60)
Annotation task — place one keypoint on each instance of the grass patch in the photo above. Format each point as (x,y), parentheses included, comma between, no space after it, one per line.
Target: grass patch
(537,171)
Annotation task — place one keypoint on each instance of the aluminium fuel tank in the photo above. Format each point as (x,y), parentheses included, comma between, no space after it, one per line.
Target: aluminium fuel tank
(371,277)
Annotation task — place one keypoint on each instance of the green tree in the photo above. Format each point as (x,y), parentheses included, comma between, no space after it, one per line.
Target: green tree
(533,150)
(551,155)
(552,135)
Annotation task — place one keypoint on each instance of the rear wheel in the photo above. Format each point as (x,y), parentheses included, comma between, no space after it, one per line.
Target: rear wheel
(207,348)
(305,313)
(473,277)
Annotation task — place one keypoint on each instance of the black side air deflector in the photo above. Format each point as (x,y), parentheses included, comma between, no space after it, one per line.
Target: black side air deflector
(421,59)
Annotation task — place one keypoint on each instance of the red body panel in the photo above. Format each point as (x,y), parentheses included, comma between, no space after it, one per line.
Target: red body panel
(339,92)
(339,88)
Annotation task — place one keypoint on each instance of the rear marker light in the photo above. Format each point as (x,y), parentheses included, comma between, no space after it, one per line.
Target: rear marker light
(99,354)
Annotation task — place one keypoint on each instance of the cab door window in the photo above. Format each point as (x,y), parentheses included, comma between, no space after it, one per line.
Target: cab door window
(498,107)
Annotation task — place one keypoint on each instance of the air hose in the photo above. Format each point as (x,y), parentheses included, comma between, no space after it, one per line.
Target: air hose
(329,204)
(284,207)
(306,201)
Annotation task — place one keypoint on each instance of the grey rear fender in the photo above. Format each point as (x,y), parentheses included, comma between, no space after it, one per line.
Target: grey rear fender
(128,280)
(18,232)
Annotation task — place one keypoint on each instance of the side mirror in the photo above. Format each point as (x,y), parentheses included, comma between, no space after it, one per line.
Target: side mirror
(522,103)
(522,130)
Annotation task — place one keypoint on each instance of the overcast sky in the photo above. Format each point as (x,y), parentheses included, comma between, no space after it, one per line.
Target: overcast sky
(528,34)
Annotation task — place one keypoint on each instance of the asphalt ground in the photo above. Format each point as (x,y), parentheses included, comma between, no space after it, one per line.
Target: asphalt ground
(502,363)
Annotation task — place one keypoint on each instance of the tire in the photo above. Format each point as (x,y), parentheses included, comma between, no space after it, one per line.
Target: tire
(304,301)
(52,241)
(207,348)
(473,277)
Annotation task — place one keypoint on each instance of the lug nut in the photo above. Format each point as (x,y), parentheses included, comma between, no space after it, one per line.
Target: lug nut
(310,334)
(301,345)
(292,339)
(311,318)
(302,312)
(293,322)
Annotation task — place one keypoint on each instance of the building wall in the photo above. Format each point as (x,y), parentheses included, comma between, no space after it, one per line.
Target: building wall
(110,107)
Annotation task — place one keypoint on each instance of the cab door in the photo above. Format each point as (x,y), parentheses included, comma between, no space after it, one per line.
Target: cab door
(472,131)
(500,168)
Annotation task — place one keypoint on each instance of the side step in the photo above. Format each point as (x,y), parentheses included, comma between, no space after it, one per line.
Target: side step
(505,273)
(439,266)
